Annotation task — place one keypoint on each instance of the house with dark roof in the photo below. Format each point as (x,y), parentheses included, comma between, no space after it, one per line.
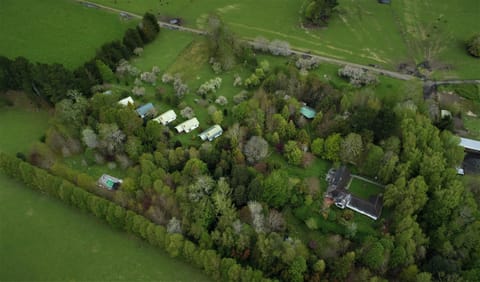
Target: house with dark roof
(338,183)
(109,182)
(145,110)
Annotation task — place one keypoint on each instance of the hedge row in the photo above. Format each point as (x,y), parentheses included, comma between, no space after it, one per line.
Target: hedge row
(220,269)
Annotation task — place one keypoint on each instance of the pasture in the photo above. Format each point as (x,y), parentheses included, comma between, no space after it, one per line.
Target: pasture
(41,239)
(363,31)
(20,127)
(56,31)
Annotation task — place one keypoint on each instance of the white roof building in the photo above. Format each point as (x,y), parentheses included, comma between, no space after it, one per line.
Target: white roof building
(211,133)
(166,118)
(470,144)
(188,125)
(126,101)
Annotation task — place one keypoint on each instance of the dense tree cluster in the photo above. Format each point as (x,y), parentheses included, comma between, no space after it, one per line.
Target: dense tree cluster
(177,245)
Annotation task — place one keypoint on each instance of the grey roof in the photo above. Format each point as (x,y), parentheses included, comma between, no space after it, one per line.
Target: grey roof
(341,177)
(470,144)
(143,110)
(371,208)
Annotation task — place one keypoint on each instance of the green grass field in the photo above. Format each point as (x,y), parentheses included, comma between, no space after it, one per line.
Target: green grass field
(460,22)
(19,128)
(43,240)
(364,189)
(363,31)
(56,31)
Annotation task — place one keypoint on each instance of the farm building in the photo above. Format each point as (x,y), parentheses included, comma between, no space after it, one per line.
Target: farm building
(470,145)
(338,182)
(307,112)
(145,110)
(126,101)
(166,118)
(211,133)
(109,182)
(188,125)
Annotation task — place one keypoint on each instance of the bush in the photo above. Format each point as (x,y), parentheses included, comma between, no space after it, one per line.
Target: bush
(358,76)
(473,45)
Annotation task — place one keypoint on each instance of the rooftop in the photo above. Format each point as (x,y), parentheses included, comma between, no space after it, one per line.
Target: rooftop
(308,112)
(109,182)
(211,133)
(166,117)
(143,110)
(126,101)
(188,125)
(470,144)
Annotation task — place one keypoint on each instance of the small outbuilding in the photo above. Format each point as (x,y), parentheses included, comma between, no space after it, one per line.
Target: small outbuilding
(109,182)
(126,101)
(384,1)
(188,125)
(470,145)
(308,112)
(145,110)
(211,133)
(166,118)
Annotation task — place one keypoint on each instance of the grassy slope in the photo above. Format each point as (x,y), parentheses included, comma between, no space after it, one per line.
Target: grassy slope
(42,239)
(363,32)
(462,23)
(56,31)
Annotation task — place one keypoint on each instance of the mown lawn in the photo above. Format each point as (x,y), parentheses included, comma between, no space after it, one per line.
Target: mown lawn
(56,31)
(41,239)
(364,189)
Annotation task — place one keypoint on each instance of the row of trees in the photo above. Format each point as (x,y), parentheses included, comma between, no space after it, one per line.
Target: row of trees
(52,81)
(221,269)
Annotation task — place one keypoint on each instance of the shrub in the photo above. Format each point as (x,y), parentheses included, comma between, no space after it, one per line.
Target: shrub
(473,45)
(358,76)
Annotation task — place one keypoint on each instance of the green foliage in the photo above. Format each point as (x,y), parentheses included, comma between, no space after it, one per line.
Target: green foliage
(293,153)
(276,189)
(105,72)
(332,147)
(318,12)
(473,45)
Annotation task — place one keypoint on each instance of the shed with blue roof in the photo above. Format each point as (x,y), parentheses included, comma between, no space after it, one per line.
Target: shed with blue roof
(308,112)
(146,110)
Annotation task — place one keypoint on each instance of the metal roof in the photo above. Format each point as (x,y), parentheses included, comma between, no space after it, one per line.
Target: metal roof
(211,133)
(308,112)
(126,101)
(166,117)
(143,110)
(470,144)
